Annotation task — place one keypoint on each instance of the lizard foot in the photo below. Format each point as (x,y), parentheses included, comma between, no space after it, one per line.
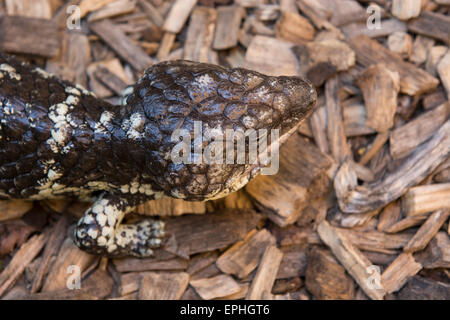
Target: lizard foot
(100,231)
(141,237)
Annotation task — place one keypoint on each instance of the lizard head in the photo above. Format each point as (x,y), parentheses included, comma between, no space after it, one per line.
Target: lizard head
(189,109)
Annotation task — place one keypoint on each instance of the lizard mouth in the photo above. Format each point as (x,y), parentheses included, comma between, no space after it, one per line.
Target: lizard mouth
(267,162)
(271,154)
(304,97)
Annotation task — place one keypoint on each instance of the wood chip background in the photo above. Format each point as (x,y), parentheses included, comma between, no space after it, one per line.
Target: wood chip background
(360,207)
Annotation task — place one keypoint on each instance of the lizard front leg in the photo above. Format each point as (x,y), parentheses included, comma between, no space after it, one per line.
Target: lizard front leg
(100,231)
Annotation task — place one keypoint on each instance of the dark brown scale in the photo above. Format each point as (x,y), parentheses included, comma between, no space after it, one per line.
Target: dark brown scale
(169,96)
(216,96)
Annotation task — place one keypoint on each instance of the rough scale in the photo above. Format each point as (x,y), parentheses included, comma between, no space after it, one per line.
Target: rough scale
(58,140)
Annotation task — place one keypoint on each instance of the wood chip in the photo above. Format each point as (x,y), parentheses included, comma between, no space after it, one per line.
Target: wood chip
(236,58)
(427,231)
(348,7)
(336,135)
(190,294)
(391,214)
(400,43)
(178,15)
(14,209)
(380,88)
(131,282)
(29,36)
(243,257)
(357,219)
(268,12)
(27,252)
(434,99)
(318,123)
(354,116)
(29,8)
(208,272)
(376,241)
(363,173)
(171,207)
(422,199)
(14,234)
(55,240)
(283,286)
(215,287)
(412,79)
(151,12)
(133,265)
(420,49)
(253,26)
(114,66)
(351,258)
(239,295)
(238,200)
(68,255)
(271,56)
(250,3)
(413,170)
(87,6)
(435,54)
(227,27)
(419,288)
(380,259)
(163,286)
(74,58)
(387,27)
(326,279)
(375,147)
(399,271)
(261,286)
(320,60)
(293,263)
(98,284)
(220,228)
(201,261)
(200,34)
(165,46)
(288,5)
(110,80)
(437,252)
(406,9)
(433,25)
(443,69)
(301,177)
(60,295)
(443,173)
(294,28)
(405,139)
(406,223)
(120,43)
(113,9)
